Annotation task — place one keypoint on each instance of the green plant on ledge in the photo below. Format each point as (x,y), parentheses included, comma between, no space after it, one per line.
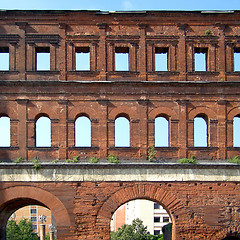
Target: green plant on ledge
(73,160)
(151,154)
(235,159)
(190,159)
(54,161)
(36,163)
(113,159)
(18,160)
(208,32)
(94,160)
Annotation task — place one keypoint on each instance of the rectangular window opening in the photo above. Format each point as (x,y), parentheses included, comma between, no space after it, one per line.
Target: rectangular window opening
(157,232)
(82,58)
(161,59)
(156,219)
(121,59)
(200,59)
(156,206)
(4,59)
(236,59)
(165,219)
(43,58)
(33,211)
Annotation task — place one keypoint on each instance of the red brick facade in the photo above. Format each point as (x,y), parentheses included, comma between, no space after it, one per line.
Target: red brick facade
(199,210)
(83,210)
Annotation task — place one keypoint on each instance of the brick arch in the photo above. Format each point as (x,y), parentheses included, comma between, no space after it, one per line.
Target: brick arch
(233,112)
(78,111)
(162,110)
(10,198)
(226,232)
(132,113)
(141,191)
(41,115)
(202,110)
(42,108)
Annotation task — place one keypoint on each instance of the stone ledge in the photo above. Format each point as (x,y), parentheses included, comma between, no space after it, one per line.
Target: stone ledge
(153,172)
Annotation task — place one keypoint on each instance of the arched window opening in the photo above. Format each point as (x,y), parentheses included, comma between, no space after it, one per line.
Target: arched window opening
(82,132)
(200,131)
(43,132)
(236,131)
(26,222)
(161,132)
(122,132)
(5,136)
(148,213)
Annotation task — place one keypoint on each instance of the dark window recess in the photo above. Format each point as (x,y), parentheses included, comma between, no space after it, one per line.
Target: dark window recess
(156,206)
(33,211)
(156,219)
(165,219)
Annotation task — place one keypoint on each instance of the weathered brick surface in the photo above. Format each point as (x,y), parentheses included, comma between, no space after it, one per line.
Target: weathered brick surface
(199,210)
(83,210)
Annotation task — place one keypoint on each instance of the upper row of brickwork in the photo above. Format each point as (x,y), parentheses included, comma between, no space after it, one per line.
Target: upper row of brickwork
(142,36)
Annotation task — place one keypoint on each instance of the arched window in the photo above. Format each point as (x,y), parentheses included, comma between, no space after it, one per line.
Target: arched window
(5,134)
(122,132)
(82,132)
(43,132)
(200,131)
(236,131)
(161,132)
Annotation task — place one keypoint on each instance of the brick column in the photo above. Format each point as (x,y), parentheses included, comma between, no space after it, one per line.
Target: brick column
(221,52)
(221,141)
(21,51)
(182,52)
(183,128)
(143,130)
(173,132)
(22,127)
(101,63)
(142,52)
(63,130)
(103,128)
(61,63)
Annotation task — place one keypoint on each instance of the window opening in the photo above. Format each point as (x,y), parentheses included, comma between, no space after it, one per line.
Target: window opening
(27,218)
(161,59)
(121,59)
(122,132)
(236,131)
(82,58)
(236,59)
(5,134)
(200,58)
(4,59)
(43,132)
(43,58)
(161,132)
(82,132)
(200,132)
(140,209)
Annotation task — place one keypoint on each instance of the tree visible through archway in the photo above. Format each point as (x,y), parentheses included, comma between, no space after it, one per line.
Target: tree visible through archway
(152,215)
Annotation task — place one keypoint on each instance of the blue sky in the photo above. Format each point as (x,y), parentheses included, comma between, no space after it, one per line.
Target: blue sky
(111,5)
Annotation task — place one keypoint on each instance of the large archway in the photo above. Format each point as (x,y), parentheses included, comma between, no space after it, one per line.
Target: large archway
(14,198)
(170,203)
